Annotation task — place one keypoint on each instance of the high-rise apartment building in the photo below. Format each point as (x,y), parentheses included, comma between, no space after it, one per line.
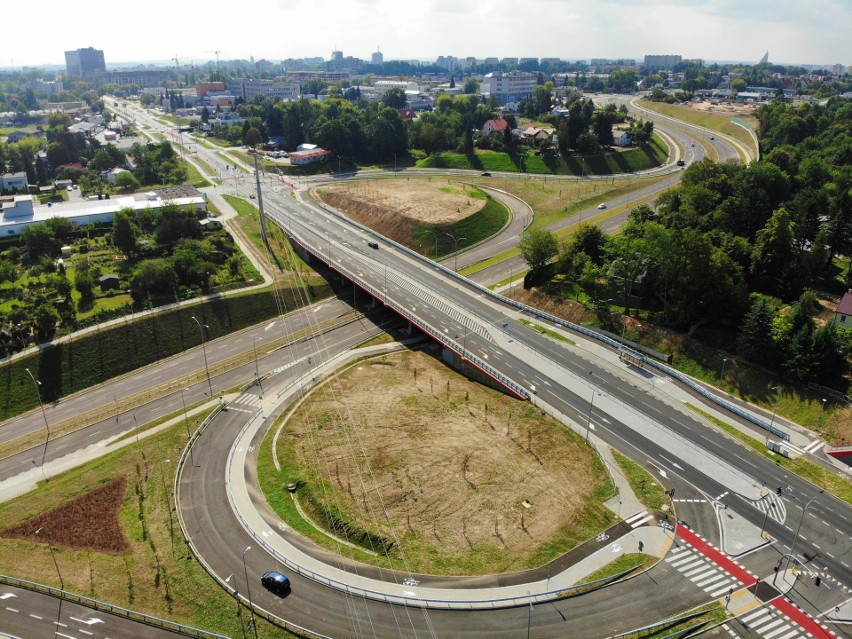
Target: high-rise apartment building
(662,61)
(84,61)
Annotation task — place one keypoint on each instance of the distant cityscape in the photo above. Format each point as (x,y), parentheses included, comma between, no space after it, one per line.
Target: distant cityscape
(86,61)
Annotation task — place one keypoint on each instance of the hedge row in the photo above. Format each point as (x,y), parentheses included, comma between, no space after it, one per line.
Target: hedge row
(98,356)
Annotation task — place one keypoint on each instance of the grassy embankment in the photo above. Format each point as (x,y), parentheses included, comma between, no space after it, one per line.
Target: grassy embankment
(157,575)
(647,157)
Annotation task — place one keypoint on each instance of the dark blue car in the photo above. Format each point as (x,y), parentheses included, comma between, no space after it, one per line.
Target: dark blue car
(275,582)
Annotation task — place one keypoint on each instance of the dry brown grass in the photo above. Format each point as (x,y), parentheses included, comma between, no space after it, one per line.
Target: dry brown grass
(89,521)
(462,479)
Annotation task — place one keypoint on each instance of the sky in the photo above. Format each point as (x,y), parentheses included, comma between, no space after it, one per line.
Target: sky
(793,31)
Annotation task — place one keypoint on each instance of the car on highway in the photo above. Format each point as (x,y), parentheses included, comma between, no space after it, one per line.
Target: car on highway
(485,174)
(373,245)
(275,582)
(601,205)
(681,163)
(712,138)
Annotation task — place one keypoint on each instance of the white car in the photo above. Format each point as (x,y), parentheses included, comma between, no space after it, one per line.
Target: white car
(601,206)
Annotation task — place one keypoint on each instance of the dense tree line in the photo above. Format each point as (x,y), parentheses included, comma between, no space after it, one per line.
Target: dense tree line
(735,244)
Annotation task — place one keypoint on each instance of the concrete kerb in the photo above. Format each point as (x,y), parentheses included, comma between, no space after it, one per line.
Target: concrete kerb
(23,483)
(655,539)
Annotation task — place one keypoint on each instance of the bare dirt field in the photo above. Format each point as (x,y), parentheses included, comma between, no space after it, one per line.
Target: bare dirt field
(396,208)
(89,521)
(451,476)
(743,111)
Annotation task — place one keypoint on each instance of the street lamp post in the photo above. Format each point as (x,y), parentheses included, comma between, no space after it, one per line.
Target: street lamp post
(591,404)
(722,374)
(37,383)
(435,233)
(201,328)
(248,587)
(775,407)
(256,368)
(55,563)
(456,248)
(798,528)
(765,517)
(237,599)
(186,423)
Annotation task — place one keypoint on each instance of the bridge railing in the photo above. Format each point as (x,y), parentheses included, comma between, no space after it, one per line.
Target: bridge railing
(578,328)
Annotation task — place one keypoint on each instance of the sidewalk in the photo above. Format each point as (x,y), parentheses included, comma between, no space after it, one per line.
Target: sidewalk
(545,584)
(23,483)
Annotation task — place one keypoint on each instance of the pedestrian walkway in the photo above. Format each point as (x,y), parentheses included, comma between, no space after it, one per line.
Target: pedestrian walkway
(772,505)
(768,623)
(701,571)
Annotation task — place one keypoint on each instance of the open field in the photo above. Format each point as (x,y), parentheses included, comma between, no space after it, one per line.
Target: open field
(120,541)
(423,213)
(427,471)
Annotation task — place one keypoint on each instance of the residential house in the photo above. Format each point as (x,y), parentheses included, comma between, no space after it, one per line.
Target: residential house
(14,181)
(110,176)
(108,282)
(621,138)
(843,314)
(497,125)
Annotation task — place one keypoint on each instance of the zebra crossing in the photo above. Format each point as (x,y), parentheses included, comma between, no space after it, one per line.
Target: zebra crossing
(711,578)
(814,446)
(774,505)
(246,400)
(769,624)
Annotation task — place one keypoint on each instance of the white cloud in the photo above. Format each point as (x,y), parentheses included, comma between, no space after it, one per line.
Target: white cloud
(794,31)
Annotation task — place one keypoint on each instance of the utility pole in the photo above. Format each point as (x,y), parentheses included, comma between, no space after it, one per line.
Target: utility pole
(260,204)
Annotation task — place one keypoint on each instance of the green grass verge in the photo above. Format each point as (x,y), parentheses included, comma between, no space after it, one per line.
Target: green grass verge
(547,331)
(646,157)
(96,357)
(485,223)
(705,616)
(629,561)
(817,475)
(645,487)
(158,575)
(713,121)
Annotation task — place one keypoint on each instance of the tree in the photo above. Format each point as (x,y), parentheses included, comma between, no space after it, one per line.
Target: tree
(394,98)
(755,341)
(773,257)
(45,319)
(124,232)
(739,84)
(39,240)
(587,144)
(538,247)
(471,85)
(126,182)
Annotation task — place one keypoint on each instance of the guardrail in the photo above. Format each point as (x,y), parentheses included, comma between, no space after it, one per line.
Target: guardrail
(524,308)
(102,606)
(420,602)
(291,627)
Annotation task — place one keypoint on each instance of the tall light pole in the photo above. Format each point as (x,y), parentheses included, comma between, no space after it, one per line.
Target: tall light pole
(237,599)
(248,587)
(201,328)
(765,517)
(591,404)
(456,248)
(775,408)
(435,233)
(186,423)
(798,528)
(37,383)
(55,563)
(722,374)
